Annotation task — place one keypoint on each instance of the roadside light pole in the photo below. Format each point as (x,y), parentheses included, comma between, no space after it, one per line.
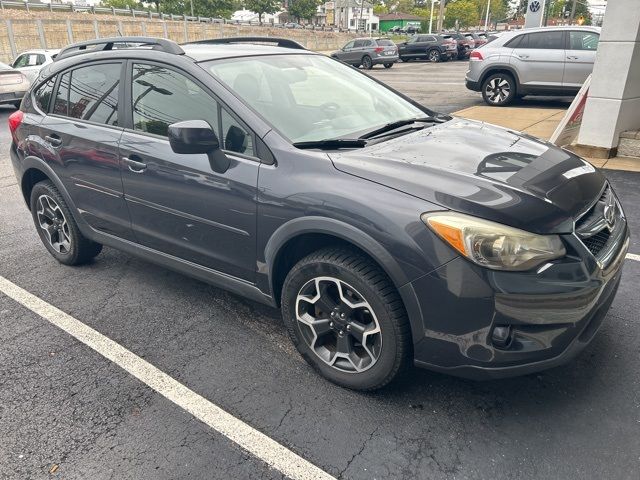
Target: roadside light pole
(192,8)
(433,2)
(486,18)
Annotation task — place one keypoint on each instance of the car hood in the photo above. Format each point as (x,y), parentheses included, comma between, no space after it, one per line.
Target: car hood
(485,171)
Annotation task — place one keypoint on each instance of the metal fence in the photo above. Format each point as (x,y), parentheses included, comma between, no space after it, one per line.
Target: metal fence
(24,34)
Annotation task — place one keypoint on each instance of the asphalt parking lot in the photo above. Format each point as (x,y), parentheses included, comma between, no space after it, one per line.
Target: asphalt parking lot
(68,412)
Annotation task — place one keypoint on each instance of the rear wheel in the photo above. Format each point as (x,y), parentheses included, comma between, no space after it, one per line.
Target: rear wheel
(499,89)
(57,228)
(366,62)
(433,56)
(346,318)
(388,65)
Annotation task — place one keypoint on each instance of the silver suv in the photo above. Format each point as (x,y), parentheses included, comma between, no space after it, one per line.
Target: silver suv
(536,61)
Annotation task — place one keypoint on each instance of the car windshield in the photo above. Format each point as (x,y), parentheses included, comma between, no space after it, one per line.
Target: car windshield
(312,97)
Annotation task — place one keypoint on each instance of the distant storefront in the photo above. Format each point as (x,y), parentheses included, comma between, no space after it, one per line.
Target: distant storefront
(402,20)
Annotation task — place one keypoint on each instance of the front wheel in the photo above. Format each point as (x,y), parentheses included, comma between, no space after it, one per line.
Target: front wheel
(499,89)
(433,56)
(366,62)
(346,318)
(388,65)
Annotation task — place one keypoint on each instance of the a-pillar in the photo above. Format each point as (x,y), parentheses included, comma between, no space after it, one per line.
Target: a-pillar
(613,104)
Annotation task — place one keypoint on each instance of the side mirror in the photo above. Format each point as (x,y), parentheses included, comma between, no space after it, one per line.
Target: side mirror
(197,136)
(192,136)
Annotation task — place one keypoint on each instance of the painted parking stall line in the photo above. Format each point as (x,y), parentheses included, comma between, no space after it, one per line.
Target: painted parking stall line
(256,443)
(633,256)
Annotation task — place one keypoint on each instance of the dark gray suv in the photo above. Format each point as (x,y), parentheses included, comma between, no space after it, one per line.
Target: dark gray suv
(387,233)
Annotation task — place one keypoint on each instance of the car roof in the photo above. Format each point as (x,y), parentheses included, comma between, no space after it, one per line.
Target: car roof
(587,28)
(50,51)
(203,52)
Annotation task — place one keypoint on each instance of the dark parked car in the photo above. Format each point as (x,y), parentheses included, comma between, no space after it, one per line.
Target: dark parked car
(431,47)
(464,44)
(368,52)
(388,234)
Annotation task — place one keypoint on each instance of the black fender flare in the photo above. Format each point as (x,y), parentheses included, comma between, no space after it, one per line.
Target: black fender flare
(355,236)
(31,162)
(498,68)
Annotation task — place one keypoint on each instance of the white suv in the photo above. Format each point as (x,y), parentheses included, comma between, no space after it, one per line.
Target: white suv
(31,62)
(535,61)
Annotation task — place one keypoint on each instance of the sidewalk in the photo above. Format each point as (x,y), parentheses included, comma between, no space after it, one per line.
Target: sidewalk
(539,122)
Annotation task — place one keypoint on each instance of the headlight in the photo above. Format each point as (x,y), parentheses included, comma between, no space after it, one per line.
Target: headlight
(494,245)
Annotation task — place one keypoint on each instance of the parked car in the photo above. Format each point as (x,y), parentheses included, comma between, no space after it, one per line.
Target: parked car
(293,25)
(463,44)
(434,48)
(541,61)
(394,29)
(31,61)
(13,85)
(388,234)
(477,39)
(368,52)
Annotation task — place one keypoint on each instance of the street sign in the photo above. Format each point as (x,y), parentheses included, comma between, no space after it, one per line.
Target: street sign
(535,13)
(569,127)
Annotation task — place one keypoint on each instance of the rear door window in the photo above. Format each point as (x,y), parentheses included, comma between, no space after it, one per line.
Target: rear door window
(359,44)
(385,43)
(543,41)
(93,94)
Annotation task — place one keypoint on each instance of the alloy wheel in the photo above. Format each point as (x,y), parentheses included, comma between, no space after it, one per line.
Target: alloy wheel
(338,324)
(434,56)
(498,90)
(52,221)
(367,63)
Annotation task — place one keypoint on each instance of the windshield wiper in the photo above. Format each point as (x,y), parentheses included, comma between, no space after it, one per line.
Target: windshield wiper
(331,143)
(393,125)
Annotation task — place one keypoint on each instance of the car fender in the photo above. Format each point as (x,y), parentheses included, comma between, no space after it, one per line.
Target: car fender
(336,228)
(31,162)
(362,240)
(500,66)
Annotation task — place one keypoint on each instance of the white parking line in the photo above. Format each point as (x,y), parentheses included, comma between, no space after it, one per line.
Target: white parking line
(633,256)
(250,439)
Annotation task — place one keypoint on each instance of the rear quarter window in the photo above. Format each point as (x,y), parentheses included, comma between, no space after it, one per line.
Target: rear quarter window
(385,43)
(44,93)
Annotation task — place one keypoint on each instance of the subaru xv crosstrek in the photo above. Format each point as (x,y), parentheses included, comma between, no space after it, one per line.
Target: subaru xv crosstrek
(387,233)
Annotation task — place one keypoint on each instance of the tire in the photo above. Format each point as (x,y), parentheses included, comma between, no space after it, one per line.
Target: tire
(433,56)
(388,65)
(499,89)
(403,59)
(61,237)
(376,308)
(366,62)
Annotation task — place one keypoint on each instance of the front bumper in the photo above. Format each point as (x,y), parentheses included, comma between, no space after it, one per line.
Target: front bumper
(553,314)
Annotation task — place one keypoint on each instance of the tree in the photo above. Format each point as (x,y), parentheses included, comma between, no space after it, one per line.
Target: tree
(303,8)
(129,4)
(464,11)
(262,6)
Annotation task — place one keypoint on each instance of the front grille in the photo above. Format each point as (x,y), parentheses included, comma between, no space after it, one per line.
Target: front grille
(596,243)
(597,233)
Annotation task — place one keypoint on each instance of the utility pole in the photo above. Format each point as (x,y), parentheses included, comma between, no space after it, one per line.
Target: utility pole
(431,15)
(573,12)
(360,21)
(441,16)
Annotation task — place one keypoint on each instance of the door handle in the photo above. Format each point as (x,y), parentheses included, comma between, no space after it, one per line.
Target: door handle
(571,57)
(53,140)
(134,165)
(522,56)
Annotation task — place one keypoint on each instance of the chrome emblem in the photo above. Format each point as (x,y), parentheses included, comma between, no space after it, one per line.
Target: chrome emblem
(610,210)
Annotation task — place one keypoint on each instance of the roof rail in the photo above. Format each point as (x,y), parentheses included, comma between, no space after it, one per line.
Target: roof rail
(280,42)
(113,43)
